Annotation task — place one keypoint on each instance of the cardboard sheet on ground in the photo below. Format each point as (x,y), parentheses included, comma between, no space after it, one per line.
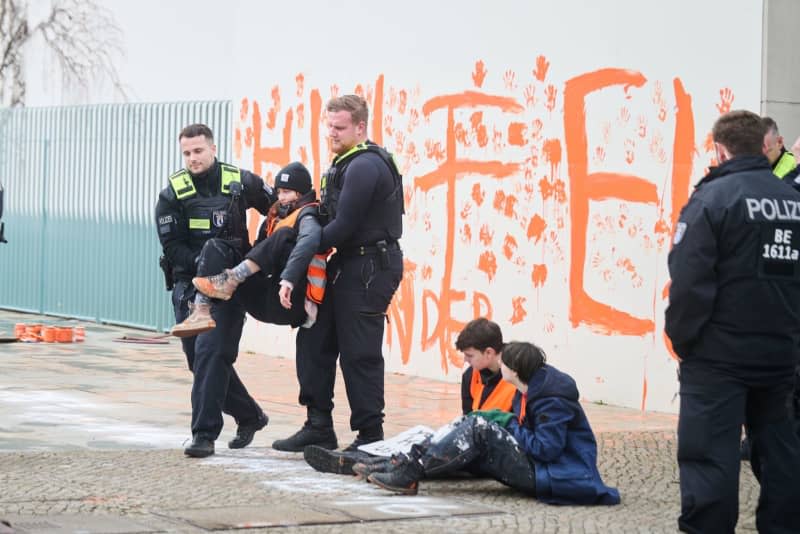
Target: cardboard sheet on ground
(401,443)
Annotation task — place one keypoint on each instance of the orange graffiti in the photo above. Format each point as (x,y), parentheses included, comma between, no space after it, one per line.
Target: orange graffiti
(550,93)
(552,152)
(519,313)
(585,187)
(536,227)
(486,235)
(539,274)
(478,194)
(509,246)
(488,264)
(541,68)
(401,311)
(516,133)
(479,74)
(725,100)
(447,174)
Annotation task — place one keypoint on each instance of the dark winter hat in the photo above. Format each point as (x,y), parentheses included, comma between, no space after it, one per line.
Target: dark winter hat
(294,176)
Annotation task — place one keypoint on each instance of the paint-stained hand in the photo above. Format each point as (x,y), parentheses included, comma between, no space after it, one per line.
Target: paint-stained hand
(285,294)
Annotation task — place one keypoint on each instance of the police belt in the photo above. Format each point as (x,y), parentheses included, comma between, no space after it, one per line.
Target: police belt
(366,250)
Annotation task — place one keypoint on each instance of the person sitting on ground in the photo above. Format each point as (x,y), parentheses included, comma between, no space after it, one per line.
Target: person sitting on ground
(482,388)
(284,255)
(545,448)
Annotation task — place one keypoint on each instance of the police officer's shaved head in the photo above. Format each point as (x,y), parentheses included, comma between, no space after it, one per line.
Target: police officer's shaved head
(356,105)
(194,130)
(741,132)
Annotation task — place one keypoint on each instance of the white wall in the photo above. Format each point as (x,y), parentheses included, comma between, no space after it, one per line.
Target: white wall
(540,228)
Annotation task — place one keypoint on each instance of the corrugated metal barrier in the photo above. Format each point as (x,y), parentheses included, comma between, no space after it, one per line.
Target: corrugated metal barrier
(81,184)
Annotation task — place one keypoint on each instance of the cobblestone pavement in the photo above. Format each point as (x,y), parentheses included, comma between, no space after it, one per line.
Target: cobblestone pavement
(92,433)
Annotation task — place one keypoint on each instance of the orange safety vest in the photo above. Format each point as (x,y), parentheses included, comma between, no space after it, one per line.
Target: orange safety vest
(315,289)
(500,397)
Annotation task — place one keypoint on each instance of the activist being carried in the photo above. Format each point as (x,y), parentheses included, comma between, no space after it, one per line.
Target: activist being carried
(289,279)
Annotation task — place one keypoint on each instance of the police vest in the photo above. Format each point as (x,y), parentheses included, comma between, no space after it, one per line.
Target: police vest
(391,227)
(500,397)
(209,217)
(785,164)
(315,289)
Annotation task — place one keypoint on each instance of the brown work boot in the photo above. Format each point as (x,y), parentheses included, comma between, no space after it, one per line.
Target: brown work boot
(218,286)
(199,321)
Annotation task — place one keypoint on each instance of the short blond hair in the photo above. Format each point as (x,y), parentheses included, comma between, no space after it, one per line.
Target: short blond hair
(356,105)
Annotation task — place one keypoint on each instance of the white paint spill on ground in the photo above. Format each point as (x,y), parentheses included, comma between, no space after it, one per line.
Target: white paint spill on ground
(79,422)
(288,472)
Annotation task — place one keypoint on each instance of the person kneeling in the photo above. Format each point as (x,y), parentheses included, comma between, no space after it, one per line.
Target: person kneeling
(546,448)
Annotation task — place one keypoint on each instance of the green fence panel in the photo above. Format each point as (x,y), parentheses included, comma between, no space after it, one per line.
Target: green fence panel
(81,185)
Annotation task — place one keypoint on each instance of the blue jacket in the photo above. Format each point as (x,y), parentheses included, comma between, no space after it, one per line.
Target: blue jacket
(557,435)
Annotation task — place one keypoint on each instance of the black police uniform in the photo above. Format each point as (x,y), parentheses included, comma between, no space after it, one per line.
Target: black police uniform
(206,213)
(734,320)
(363,198)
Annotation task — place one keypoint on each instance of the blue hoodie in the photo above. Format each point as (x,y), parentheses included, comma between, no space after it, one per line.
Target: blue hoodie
(557,435)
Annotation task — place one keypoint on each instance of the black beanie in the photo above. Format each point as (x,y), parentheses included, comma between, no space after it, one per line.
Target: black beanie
(294,176)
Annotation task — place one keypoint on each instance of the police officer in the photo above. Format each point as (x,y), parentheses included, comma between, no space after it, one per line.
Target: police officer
(200,218)
(781,160)
(734,320)
(362,196)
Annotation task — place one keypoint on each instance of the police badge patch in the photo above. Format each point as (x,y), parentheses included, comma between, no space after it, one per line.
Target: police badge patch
(219,218)
(680,229)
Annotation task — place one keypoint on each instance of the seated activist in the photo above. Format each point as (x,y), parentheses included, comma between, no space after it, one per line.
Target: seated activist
(482,388)
(546,448)
(283,259)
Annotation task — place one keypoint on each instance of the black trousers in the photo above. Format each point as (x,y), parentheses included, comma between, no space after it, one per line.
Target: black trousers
(483,448)
(216,388)
(349,327)
(260,295)
(714,406)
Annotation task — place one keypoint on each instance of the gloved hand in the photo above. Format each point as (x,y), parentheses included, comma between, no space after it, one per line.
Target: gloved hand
(496,415)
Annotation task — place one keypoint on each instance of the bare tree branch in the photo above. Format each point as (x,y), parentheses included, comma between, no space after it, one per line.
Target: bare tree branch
(83,38)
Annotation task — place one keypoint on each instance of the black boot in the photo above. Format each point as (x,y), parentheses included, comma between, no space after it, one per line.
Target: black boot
(376,464)
(317,430)
(365,436)
(245,433)
(327,461)
(403,478)
(200,447)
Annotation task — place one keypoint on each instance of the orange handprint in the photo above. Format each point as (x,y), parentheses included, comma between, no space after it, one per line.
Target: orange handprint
(334,90)
(530,95)
(508,79)
(536,129)
(642,126)
(630,146)
(541,68)
(300,81)
(550,92)
(726,99)
(479,74)
(413,120)
(624,115)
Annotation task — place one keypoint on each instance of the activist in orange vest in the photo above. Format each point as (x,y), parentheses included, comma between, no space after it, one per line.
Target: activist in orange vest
(482,385)
(285,258)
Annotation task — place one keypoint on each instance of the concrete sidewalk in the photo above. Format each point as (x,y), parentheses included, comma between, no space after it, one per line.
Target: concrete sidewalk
(91,438)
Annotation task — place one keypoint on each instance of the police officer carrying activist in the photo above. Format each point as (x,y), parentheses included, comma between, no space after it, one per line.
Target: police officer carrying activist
(200,217)
(362,197)
(734,321)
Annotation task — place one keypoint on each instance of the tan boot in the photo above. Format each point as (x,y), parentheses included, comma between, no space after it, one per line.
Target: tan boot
(199,321)
(218,286)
